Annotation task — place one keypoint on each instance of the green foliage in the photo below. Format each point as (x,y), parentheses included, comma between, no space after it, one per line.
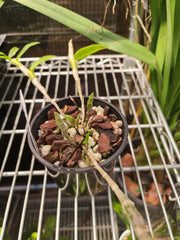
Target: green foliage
(6,233)
(89,105)
(91,30)
(86,138)
(14,50)
(2,2)
(32,229)
(47,232)
(25,48)
(33,236)
(39,61)
(163,56)
(87,51)
(71,120)
(166,47)
(49,228)
(64,238)
(63,127)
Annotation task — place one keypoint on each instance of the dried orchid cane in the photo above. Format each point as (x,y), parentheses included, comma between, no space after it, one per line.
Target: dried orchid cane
(139,225)
(31,75)
(73,64)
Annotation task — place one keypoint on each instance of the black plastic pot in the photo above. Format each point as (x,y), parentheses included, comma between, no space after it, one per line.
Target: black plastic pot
(88,176)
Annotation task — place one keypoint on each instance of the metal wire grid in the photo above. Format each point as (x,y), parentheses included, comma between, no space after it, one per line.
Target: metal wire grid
(115,78)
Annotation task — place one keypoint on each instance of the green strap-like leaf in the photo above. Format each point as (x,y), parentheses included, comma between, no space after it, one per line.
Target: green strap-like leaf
(89,50)
(161,44)
(25,48)
(40,60)
(176,31)
(13,52)
(91,30)
(2,2)
(70,119)
(168,59)
(1,53)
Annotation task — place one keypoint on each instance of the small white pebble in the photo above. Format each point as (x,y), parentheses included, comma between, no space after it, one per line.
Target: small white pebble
(97,156)
(82,163)
(118,131)
(100,110)
(95,148)
(91,141)
(57,163)
(72,132)
(40,132)
(95,135)
(81,130)
(119,123)
(45,150)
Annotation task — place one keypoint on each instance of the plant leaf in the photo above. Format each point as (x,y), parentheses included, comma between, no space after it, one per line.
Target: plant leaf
(89,105)
(39,61)
(168,59)
(91,30)
(176,33)
(50,225)
(88,50)
(13,51)
(86,138)
(4,56)
(62,126)
(2,2)
(161,44)
(1,53)
(25,48)
(70,119)
(156,8)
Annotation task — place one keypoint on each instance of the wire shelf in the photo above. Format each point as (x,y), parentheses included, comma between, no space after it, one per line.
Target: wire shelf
(29,195)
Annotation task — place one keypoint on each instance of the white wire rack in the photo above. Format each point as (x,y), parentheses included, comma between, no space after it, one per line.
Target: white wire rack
(27,193)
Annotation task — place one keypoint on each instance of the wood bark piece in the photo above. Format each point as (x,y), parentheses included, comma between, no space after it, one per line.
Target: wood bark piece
(58,143)
(49,125)
(52,137)
(104,143)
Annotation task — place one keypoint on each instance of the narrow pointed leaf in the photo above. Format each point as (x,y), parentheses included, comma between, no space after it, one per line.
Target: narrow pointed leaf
(89,50)
(161,44)
(176,32)
(13,52)
(156,9)
(5,57)
(25,48)
(2,2)
(63,127)
(40,60)
(91,30)
(1,53)
(168,58)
